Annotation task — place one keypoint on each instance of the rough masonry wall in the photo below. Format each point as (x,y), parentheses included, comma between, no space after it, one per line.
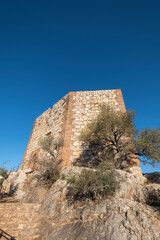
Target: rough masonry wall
(49,122)
(86,107)
(67,118)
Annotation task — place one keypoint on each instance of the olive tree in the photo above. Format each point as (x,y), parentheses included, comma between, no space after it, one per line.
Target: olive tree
(114,140)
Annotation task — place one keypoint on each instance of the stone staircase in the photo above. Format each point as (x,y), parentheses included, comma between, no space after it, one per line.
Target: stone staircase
(19,220)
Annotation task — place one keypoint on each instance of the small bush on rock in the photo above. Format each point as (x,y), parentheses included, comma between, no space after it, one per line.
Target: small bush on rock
(49,173)
(51,144)
(153,197)
(3,176)
(91,185)
(50,170)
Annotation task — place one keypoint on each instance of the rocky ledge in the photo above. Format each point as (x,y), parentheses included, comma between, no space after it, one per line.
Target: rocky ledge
(133,213)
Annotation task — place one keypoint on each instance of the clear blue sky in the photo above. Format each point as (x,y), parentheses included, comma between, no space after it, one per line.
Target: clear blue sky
(49,48)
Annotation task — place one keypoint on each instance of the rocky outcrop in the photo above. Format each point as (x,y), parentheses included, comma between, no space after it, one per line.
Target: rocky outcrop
(14,184)
(112,220)
(24,185)
(125,216)
(131,214)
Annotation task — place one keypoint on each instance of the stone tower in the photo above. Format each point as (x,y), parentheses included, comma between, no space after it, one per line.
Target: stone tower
(66,119)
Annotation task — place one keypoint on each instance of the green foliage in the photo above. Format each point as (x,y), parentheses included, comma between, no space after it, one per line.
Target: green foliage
(91,185)
(50,171)
(63,177)
(147,144)
(109,123)
(105,137)
(51,144)
(3,174)
(114,140)
(50,174)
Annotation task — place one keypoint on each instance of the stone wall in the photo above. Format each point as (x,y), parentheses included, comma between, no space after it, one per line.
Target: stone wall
(86,107)
(49,122)
(66,120)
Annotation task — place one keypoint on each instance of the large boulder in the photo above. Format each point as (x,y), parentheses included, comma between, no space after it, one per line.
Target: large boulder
(14,184)
(24,185)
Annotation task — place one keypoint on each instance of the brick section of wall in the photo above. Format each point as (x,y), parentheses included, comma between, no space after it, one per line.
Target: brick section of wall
(119,100)
(66,120)
(67,132)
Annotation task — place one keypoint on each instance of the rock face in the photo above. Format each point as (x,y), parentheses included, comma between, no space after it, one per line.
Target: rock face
(24,185)
(125,216)
(15,182)
(132,214)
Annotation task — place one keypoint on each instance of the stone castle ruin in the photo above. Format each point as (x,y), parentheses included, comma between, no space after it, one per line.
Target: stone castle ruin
(31,211)
(66,120)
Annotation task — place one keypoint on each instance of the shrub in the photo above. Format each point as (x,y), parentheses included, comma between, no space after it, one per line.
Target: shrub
(51,144)
(3,174)
(91,185)
(153,197)
(49,173)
